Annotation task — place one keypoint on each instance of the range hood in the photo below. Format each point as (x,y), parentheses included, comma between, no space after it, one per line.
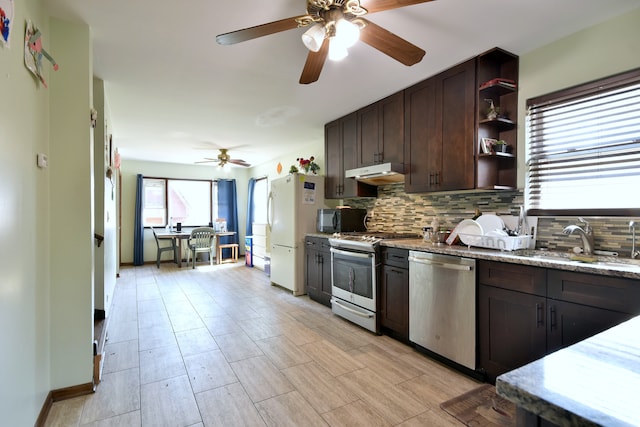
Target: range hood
(380,174)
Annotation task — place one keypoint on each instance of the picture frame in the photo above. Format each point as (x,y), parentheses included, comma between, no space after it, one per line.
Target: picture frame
(486,144)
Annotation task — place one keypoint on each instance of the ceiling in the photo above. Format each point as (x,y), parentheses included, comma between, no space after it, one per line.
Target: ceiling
(175,95)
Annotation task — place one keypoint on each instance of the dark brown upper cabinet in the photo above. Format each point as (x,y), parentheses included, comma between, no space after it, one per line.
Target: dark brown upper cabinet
(381,131)
(440,131)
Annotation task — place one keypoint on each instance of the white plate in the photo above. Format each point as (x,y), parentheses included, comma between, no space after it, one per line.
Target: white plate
(490,222)
(470,231)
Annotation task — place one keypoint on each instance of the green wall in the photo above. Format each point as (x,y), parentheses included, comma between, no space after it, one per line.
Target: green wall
(599,51)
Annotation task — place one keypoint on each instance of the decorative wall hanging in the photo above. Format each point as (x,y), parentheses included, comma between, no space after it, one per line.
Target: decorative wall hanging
(33,52)
(6,20)
(94,117)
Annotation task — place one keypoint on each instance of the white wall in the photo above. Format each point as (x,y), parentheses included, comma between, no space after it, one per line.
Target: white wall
(105,215)
(24,229)
(599,51)
(71,214)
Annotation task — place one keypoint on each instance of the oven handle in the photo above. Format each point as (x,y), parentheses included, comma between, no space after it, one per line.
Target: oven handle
(440,264)
(351,254)
(351,310)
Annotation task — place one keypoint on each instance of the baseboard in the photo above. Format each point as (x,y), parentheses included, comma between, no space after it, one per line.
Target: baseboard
(44,412)
(73,391)
(62,394)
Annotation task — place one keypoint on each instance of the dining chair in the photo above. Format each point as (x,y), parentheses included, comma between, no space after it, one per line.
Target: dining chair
(202,239)
(170,248)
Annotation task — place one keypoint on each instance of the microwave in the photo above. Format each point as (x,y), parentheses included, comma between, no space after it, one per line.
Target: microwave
(340,220)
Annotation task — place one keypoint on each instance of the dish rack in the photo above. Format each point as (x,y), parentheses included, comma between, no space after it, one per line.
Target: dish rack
(503,243)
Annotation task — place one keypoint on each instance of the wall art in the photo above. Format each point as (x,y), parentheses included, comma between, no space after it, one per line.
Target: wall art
(6,21)
(34,52)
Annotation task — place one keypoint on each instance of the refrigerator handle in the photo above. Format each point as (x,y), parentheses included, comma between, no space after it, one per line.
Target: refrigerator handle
(269,209)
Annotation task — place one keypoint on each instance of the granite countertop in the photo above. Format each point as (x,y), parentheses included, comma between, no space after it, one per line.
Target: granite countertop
(606,266)
(593,382)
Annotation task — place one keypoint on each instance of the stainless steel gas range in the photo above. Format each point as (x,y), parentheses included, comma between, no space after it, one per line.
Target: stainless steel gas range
(355,271)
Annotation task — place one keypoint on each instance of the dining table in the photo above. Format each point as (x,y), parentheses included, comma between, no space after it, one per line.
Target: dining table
(184,234)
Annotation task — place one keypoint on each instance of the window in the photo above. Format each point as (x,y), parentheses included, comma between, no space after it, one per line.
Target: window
(584,149)
(153,203)
(179,200)
(260,195)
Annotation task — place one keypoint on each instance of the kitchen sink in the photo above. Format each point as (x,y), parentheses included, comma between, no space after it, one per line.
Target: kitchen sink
(631,266)
(600,261)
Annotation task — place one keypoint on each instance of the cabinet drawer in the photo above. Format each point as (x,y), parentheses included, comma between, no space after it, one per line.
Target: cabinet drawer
(611,293)
(259,229)
(515,277)
(395,257)
(260,241)
(317,243)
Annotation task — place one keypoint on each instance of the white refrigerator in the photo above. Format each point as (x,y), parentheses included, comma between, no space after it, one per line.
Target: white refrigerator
(293,204)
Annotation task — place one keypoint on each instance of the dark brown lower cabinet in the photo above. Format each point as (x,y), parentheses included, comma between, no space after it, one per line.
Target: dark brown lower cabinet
(539,311)
(318,269)
(394,293)
(512,332)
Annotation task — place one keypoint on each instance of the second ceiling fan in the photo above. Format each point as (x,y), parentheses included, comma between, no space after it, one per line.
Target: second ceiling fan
(334,25)
(224,158)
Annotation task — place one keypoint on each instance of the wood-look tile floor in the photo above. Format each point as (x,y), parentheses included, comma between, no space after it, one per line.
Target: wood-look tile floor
(220,346)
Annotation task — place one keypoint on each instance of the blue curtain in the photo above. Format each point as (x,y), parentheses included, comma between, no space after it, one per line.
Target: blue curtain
(138,228)
(228,209)
(250,207)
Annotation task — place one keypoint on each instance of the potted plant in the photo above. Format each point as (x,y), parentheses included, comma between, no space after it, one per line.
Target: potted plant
(501,146)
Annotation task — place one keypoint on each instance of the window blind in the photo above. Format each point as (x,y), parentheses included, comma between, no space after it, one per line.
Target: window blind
(584,151)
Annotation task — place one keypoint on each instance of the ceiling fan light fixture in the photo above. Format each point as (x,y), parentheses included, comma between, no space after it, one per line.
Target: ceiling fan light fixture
(314,37)
(337,51)
(347,33)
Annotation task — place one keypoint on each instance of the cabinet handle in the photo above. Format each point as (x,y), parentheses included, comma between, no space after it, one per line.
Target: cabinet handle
(552,312)
(437,178)
(539,314)
(320,259)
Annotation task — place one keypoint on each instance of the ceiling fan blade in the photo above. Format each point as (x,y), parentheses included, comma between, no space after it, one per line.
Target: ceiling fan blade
(373,6)
(390,44)
(314,64)
(258,31)
(239,162)
(209,161)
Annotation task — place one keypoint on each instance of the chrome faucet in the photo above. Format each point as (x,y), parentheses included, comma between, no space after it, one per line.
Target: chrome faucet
(632,229)
(586,234)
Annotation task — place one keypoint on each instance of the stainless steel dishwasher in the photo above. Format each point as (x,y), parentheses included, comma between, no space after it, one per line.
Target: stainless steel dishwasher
(442,305)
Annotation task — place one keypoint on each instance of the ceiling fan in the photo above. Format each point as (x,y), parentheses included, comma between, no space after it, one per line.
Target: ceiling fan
(335,25)
(224,158)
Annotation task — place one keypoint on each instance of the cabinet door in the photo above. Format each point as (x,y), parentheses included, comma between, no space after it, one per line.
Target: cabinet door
(394,299)
(440,131)
(325,276)
(340,154)
(312,272)
(391,119)
(334,175)
(456,170)
(368,135)
(512,329)
(381,131)
(351,187)
(569,323)
(421,134)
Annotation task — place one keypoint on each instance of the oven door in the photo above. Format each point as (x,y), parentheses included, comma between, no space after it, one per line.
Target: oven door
(353,277)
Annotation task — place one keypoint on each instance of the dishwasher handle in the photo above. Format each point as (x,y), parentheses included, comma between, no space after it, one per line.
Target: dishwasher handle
(447,265)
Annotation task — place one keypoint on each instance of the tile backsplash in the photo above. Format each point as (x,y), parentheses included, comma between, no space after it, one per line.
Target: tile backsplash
(395,210)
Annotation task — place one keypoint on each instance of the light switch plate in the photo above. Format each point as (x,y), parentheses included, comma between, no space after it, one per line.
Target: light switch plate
(43,161)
